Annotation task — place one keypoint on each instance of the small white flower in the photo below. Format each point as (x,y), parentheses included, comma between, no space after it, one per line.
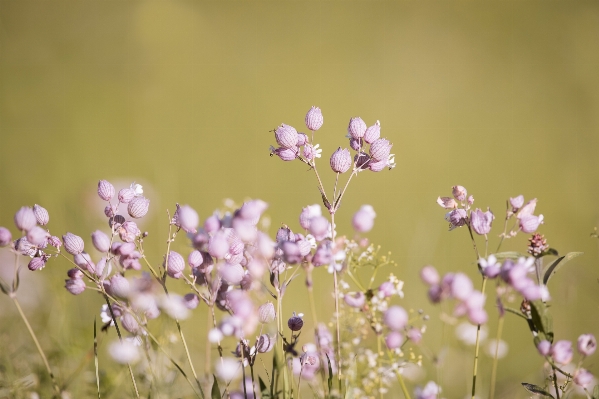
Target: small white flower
(105,315)
(138,188)
(124,352)
(391,161)
(317,151)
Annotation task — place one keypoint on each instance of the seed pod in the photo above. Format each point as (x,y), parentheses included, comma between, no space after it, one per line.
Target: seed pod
(25,219)
(100,241)
(41,215)
(175,265)
(138,207)
(105,190)
(72,244)
(266,313)
(314,118)
(286,136)
(295,323)
(341,160)
(356,128)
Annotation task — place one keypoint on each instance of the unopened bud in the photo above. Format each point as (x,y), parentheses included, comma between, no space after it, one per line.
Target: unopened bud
(138,207)
(25,219)
(341,160)
(266,313)
(314,118)
(41,215)
(72,244)
(105,190)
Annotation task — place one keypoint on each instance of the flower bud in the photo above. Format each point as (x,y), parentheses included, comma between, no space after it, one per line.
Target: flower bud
(477,316)
(218,246)
(302,139)
(394,340)
(25,219)
(461,286)
(380,150)
(583,378)
(98,268)
(544,348)
(174,265)
(295,323)
(265,343)
(126,249)
(126,195)
(457,217)
(387,289)
(5,236)
(396,318)
(232,274)
(212,224)
(341,160)
(128,231)
(105,190)
(356,128)
(373,133)
(130,324)
(517,203)
(100,241)
(72,244)
(41,215)
(74,273)
(75,286)
(314,118)
(429,275)
(587,344)
(191,301)
(323,255)
(459,193)
(288,154)
(119,286)
(138,207)
(363,220)
(481,221)
(415,335)
(55,242)
(319,227)
(266,313)
(355,300)
(562,352)
(83,260)
(37,236)
(36,264)
(195,259)
(286,136)
(447,202)
(187,219)
(356,144)
(530,223)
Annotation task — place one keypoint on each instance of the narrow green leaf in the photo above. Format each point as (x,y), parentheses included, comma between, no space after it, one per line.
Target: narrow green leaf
(541,319)
(330,379)
(215,394)
(17,280)
(536,389)
(263,388)
(596,392)
(4,287)
(558,263)
(514,311)
(550,251)
(509,255)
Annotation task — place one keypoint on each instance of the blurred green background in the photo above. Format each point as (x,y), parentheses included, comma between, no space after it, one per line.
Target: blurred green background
(499,96)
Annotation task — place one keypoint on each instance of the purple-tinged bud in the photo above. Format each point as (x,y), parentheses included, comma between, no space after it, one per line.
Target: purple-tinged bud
(195,259)
(41,215)
(72,244)
(285,234)
(355,300)
(356,128)
(126,249)
(37,236)
(265,343)
(517,203)
(126,195)
(319,227)
(295,323)
(232,274)
(323,255)
(362,160)
(191,301)
(380,150)
(286,136)
(188,219)
(394,340)
(74,273)
(341,160)
(481,221)
(266,313)
(457,218)
(138,207)
(356,144)
(75,286)
(128,231)
(100,241)
(414,335)
(459,193)
(98,268)
(387,289)
(528,209)
(477,316)
(530,223)
(309,152)
(435,293)
(373,133)
(5,236)
(429,275)
(544,348)
(212,224)
(583,378)
(218,246)
(24,247)
(109,211)
(83,260)
(288,154)
(302,139)
(587,344)
(105,190)
(36,264)
(470,199)
(562,352)
(363,220)
(304,247)
(253,210)
(447,203)
(377,166)
(291,252)
(119,286)
(314,118)
(307,214)
(25,219)
(174,265)
(130,324)
(396,318)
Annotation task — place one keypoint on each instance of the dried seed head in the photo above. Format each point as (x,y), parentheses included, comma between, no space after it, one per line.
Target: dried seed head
(41,215)
(266,313)
(100,241)
(36,264)
(105,190)
(537,244)
(175,265)
(295,323)
(5,236)
(138,207)
(72,244)
(286,136)
(373,133)
(25,219)
(314,118)
(380,150)
(356,128)
(126,195)
(341,160)
(75,286)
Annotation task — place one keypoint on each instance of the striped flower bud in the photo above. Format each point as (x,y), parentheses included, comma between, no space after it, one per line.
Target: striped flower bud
(126,195)
(341,160)
(232,274)
(36,264)
(105,190)
(174,265)
(380,150)
(373,133)
(75,286)
(72,244)
(119,286)
(302,139)
(130,324)
(286,136)
(186,218)
(195,259)
(100,241)
(295,323)
(265,343)
(287,154)
(41,215)
(356,128)
(266,313)
(128,231)
(55,242)
(25,219)
(138,207)
(5,236)
(459,193)
(37,236)
(74,273)
(377,166)
(314,118)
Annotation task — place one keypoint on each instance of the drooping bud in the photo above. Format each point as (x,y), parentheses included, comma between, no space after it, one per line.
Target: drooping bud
(295,323)
(41,215)
(105,190)
(25,219)
(286,136)
(5,236)
(396,318)
(459,193)
(461,286)
(174,265)
(363,220)
(356,128)
(129,323)
(72,244)
(287,154)
(380,150)
(126,195)
(481,221)
(323,255)
(265,343)
(314,118)
(138,207)
(373,133)
(119,286)
(37,236)
(100,241)
(75,286)
(195,259)
(341,160)
(36,264)
(186,218)
(266,313)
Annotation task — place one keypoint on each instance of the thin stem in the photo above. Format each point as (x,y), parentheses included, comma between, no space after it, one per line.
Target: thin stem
(378,361)
(473,241)
(495,358)
(477,347)
(336,288)
(338,199)
(507,205)
(402,383)
(555,383)
(336,181)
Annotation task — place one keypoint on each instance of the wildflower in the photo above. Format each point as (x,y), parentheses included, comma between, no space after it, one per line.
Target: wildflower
(105,190)
(466,333)
(25,219)
(430,391)
(320,228)
(456,218)
(124,352)
(459,193)
(481,221)
(489,267)
(363,220)
(341,160)
(373,133)
(125,195)
(394,340)
(75,286)
(314,118)
(308,213)
(544,347)
(517,203)
(41,215)
(561,352)
(72,244)
(356,144)
(37,236)
(447,202)
(396,318)
(527,209)
(429,275)
(174,306)
(355,300)
(186,218)
(583,378)
(587,344)
(530,223)
(174,264)
(100,241)
(5,236)
(380,150)
(356,128)
(130,324)
(191,301)
(138,207)
(266,313)
(286,136)
(461,286)
(295,323)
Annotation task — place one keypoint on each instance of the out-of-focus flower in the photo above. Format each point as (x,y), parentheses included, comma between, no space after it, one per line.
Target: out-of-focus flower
(228,368)
(562,352)
(186,218)
(587,344)
(5,236)
(191,300)
(124,352)
(466,333)
(37,236)
(363,220)
(430,391)
(396,318)
(493,348)
(394,340)
(544,347)
(25,219)
(489,267)
(355,300)
(75,286)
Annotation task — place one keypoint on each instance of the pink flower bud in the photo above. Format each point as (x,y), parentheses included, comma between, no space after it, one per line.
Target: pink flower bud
(75,286)
(380,150)
(286,136)
(447,202)
(295,323)
(212,224)
(356,128)
(477,316)
(138,207)
(562,352)
(55,242)
(341,160)
(191,301)
(363,220)
(291,252)
(319,227)
(41,215)
(288,154)
(302,139)
(128,231)
(105,190)
(414,335)
(5,236)
(459,193)
(377,166)
(100,241)
(356,144)
(195,259)
(25,219)
(587,344)
(355,300)
(174,265)
(265,343)
(373,133)
(72,244)
(470,199)
(187,219)
(429,275)
(323,255)
(314,118)
(396,318)
(544,348)
(37,236)
(530,223)
(119,286)
(517,203)
(36,264)
(266,313)
(481,221)
(109,211)
(251,211)
(83,260)
(130,324)
(394,340)
(98,268)
(583,378)
(126,249)
(387,289)
(218,246)
(232,274)
(125,195)
(74,273)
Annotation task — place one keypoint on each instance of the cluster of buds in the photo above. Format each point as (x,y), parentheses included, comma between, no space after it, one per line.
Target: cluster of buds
(458,208)
(457,286)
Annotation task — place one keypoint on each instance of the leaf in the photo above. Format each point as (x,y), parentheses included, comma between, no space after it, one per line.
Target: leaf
(263,388)
(4,287)
(541,319)
(550,251)
(596,392)
(215,394)
(330,379)
(536,389)
(17,280)
(509,255)
(514,311)
(559,262)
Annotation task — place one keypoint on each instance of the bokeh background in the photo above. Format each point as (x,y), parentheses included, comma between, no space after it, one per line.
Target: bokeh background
(180,96)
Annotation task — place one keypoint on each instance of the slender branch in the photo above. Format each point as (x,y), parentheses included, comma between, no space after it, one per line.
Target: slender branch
(477,347)
(495,358)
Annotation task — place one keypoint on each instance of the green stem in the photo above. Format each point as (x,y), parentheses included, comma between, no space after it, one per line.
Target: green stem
(555,383)
(336,288)
(477,347)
